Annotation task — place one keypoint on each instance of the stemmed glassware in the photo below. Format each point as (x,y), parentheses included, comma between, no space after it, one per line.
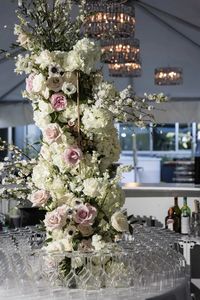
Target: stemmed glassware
(139,266)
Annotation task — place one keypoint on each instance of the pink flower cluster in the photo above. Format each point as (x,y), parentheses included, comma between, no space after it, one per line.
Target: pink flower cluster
(58,101)
(52,132)
(56,219)
(85,214)
(39,198)
(72,155)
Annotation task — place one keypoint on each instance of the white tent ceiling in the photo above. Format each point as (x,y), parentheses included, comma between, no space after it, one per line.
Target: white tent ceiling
(169,34)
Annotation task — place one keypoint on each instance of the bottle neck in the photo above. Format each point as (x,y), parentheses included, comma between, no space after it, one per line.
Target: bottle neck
(176,201)
(170,212)
(185,201)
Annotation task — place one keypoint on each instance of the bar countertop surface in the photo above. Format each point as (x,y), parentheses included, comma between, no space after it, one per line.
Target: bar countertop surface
(134,189)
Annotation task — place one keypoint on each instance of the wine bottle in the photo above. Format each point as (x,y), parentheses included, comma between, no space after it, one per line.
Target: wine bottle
(171,220)
(185,217)
(195,223)
(177,212)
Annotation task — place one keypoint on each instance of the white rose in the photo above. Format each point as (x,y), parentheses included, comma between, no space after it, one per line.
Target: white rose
(92,187)
(119,222)
(38,83)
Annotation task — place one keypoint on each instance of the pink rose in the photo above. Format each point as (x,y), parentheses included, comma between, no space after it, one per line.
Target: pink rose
(29,83)
(52,133)
(85,230)
(55,219)
(72,155)
(58,101)
(39,198)
(85,214)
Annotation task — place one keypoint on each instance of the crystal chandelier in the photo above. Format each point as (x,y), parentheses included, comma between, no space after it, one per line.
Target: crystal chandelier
(168,76)
(108,19)
(120,50)
(125,70)
(122,56)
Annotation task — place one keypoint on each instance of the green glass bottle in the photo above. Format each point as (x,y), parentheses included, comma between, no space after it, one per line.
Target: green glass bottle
(185,217)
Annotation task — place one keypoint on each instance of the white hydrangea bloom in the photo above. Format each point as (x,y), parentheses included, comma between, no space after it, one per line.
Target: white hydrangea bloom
(44,59)
(42,174)
(95,119)
(41,119)
(83,56)
(92,187)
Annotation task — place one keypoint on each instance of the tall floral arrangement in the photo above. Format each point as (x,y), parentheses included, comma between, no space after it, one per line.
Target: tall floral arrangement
(75,110)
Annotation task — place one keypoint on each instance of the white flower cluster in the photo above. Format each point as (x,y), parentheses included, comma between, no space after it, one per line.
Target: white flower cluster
(15,175)
(72,178)
(125,106)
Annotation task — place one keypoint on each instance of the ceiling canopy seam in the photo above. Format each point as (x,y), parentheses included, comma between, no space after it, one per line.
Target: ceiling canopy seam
(180,20)
(168,25)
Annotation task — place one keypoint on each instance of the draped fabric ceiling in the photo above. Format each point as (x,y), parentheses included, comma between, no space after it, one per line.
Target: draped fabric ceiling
(169,34)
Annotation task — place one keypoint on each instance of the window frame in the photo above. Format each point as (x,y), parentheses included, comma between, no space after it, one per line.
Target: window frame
(177,151)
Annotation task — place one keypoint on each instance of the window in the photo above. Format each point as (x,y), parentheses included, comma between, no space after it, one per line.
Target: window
(164,137)
(178,138)
(126,141)
(142,137)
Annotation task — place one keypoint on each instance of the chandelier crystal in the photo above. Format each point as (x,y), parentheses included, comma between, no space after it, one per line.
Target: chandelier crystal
(168,76)
(107,19)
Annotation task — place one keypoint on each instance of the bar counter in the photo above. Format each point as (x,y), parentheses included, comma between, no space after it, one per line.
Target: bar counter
(134,189)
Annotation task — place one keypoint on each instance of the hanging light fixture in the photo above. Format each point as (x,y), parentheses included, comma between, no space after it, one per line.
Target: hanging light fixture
(122,56)
(120,50)
(125,70)
(168,76)
(108,19)
(113,23)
